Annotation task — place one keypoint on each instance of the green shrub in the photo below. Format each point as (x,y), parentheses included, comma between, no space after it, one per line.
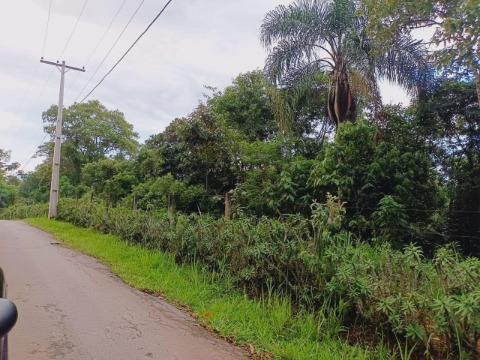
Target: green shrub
(371,174)
(276,189)
(8,194)
(153,195)
(23,211)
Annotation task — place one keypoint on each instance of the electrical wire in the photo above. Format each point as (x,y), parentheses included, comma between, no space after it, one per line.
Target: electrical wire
(111,49)
(26,162)
(128,50)
(107,30)
(419,210)
(100,41)
(50,74)
(33,154)
(46,28)
(37,68)
(66,46)
(34,78)
(74,28)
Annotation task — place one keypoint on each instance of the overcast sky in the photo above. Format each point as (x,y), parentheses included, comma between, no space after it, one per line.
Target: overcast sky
(195,43)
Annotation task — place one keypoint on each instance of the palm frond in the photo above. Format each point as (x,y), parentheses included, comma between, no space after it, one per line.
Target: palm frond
(341,18)
(301,19)
(282,109)
(405,63)
(304,73)
(310,37)
(290,56)
(287,100)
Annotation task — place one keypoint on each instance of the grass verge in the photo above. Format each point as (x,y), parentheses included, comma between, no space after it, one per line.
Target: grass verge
(267,325)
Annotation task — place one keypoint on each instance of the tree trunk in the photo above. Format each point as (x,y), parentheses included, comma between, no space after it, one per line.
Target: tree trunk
(477,81)
(341,102)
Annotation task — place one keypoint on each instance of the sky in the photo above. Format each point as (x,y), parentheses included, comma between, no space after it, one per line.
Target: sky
(193,44)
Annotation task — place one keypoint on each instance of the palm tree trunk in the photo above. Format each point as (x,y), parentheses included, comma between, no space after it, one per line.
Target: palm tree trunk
(377,105)
(341,102)
(331,106)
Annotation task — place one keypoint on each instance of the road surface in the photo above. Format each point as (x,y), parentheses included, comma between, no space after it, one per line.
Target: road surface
(72,307)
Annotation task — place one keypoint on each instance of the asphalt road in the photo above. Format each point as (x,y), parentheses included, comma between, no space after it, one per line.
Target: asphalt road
(72,307)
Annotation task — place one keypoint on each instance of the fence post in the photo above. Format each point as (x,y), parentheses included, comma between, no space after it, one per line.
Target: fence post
(171,206)
(228,205)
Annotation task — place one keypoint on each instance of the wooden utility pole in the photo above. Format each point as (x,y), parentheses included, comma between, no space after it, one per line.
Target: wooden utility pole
(54,185)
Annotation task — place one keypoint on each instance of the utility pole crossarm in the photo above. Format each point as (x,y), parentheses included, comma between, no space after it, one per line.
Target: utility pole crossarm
(54,186)
(59,64)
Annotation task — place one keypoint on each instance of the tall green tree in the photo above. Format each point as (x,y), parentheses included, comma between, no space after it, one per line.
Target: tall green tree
(198,149)
(110,180)
(319,36)
(246,106)
(375,179)
(450,118)
(91,132)
(455,25)
(5,164)
(8,190)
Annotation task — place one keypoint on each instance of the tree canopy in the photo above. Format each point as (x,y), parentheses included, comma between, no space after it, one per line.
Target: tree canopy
(310,37)
(455,24)
(91,132)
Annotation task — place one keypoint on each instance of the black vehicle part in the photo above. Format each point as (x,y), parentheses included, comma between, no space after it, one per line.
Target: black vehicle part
(8,316)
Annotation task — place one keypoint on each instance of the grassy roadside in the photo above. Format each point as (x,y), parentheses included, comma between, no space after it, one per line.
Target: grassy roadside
(268,325)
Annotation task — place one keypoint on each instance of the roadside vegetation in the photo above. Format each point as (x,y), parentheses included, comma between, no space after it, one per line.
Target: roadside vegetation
(265,327)
(351,290)
(296,190)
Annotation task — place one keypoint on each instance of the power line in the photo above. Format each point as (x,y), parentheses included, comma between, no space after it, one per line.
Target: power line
(35,74)
(106,31)
(74,27)
(42,87)
(46,28)
(34,78)
(463,236)
(128,50)
(417,210)
(50,74)
(33,154)
(102,38)
(111,48)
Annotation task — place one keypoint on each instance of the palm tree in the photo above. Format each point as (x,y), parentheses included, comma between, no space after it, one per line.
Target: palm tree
(310,37)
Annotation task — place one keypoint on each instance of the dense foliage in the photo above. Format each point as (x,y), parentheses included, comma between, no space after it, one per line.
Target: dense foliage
(455,25)
(91,132)
(8,183)
(389,187)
